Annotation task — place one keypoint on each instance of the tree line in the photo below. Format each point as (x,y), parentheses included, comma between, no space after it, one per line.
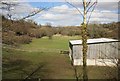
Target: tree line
(21,31)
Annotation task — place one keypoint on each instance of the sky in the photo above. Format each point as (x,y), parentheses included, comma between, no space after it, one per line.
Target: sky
(61,13)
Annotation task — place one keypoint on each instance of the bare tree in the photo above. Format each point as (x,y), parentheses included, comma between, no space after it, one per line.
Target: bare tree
(88,6)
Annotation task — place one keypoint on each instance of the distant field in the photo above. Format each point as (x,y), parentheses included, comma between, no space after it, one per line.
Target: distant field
(55,44)
(45,54)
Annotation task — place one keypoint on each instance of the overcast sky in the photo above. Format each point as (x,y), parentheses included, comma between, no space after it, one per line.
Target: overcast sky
(61,13)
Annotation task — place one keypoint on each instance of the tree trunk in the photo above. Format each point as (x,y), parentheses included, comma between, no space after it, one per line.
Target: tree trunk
(84,43)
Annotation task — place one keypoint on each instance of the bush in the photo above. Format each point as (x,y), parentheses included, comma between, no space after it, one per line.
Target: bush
(21,29)
(8,38)
(49,32)
(23,39)
(37,33)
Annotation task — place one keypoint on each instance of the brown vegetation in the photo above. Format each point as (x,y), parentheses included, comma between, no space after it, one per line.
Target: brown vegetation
(22,32)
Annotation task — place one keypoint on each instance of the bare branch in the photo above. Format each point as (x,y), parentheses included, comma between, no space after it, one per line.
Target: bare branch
(8,8)
(88,3)
(91,12)
(83,4)
(74,7)
(8,5)
(34,13)
(91,6)
(11,4)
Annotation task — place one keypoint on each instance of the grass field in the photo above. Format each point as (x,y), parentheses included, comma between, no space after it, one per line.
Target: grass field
(44,55)
(55,44)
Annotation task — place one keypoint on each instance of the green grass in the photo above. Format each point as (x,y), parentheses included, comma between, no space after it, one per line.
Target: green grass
(55,44)
(44,53)
(54,65)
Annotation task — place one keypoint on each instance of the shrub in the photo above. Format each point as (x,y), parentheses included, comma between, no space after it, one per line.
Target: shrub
(8,38)
(23,39)
(37,33)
